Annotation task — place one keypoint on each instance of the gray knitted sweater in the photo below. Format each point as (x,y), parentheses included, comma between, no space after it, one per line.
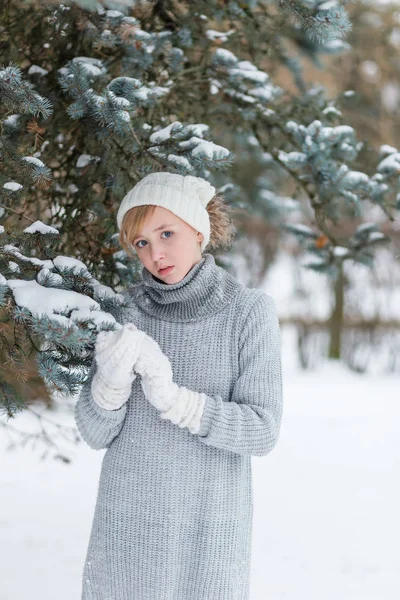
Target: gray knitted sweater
(173,516)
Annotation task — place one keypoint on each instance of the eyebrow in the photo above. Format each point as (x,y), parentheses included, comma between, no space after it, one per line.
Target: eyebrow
(156,229)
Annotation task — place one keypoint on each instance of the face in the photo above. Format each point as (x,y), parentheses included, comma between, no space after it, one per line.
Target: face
(166,240)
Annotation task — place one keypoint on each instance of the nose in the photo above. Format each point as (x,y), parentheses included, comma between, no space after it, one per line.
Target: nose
(157,254)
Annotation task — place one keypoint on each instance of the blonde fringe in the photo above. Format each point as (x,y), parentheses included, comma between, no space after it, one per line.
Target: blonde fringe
(221,224)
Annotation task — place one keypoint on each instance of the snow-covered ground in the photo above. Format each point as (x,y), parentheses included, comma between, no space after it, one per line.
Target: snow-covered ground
(326,521)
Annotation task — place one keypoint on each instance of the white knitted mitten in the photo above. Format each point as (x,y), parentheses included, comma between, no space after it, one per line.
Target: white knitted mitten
(115,355)
(180,405)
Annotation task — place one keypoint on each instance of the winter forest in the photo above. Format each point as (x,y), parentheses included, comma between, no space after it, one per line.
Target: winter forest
(291,109)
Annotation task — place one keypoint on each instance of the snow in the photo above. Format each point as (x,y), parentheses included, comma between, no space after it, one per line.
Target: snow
(279,202)
(386,149)
(225,57)
(264,93)
(292,126)
(36,261)
(253,141)
(85,159)
(123,102)
(341,132)
(332,524)
(121,266)
(293,159)
(215,86)
(366,227)
(332,110)
(376,235)
(197,145)
(32,160)
(142,35)
(155,92)
(40,302)
(239,74)
(36,69)
(240,96)
(13,266)
(92,69)
(45,301)
(221,36)
(246,70)
(131,21)
(390,164)
(13,186)
(341,251)
(39,226)
(196,129)
(268,112)
(124,115)
(325,521)
(337,45)
(93,66)
(164,134)
(180,161)
(354,179)
(12,120)
(206,149)
(113,14)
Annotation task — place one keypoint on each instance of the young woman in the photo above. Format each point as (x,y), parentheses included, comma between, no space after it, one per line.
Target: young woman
(182,395)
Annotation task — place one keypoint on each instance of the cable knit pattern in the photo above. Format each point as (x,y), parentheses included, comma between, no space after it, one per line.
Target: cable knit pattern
(173,516)
(187,409)
(115,354)
(109,396)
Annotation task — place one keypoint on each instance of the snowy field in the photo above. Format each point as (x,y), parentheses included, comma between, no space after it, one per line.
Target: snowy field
(326,518)
(326,521)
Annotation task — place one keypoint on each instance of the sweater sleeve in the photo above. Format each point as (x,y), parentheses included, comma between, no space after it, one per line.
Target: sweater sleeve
(249,423)
(97,426)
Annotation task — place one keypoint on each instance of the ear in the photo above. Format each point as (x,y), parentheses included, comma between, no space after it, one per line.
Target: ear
(201,236)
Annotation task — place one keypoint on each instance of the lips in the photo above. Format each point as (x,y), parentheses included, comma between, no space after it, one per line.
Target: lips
(164,268)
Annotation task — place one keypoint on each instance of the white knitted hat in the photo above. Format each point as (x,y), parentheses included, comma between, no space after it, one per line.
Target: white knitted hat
(184,195)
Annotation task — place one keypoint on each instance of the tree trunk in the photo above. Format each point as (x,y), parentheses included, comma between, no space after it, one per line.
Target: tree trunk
(336,319)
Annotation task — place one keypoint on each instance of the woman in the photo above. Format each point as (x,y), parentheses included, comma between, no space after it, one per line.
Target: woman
(181,396)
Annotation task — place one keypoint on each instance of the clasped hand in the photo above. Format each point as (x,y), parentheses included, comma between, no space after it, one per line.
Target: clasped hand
(120,355)
(115,354)
(155,370)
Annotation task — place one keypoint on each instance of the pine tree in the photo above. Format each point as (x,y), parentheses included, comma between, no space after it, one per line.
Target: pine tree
(93,98)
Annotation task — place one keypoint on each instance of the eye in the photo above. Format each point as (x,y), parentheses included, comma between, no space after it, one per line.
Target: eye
(171,232)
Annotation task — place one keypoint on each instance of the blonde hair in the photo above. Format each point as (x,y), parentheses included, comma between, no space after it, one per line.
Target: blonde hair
(222,228)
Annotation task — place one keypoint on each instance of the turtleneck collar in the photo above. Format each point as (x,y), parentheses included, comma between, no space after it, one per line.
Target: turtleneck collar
(204,290)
